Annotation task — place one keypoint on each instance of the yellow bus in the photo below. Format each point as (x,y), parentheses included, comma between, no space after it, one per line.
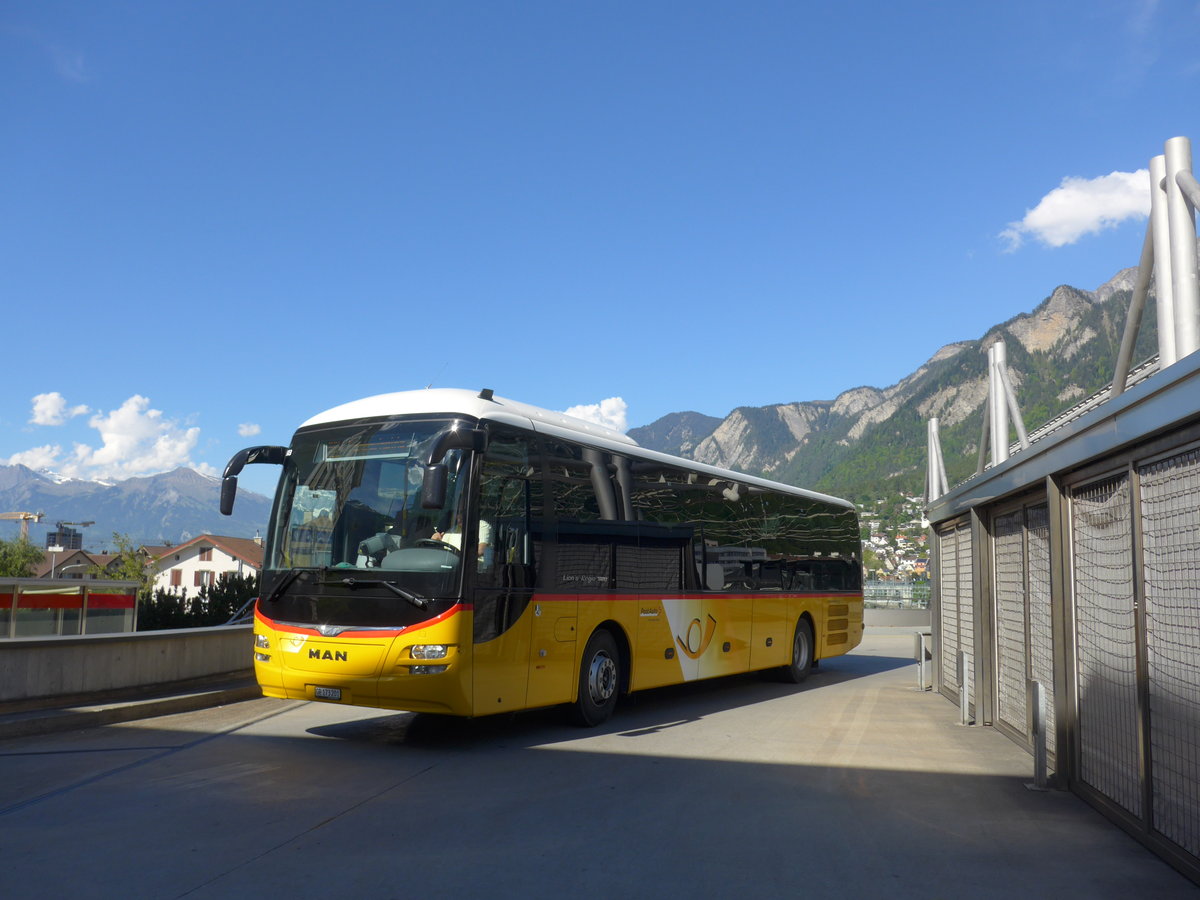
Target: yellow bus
(451,552)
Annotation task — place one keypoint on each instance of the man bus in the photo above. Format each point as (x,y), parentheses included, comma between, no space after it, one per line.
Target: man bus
(458,553)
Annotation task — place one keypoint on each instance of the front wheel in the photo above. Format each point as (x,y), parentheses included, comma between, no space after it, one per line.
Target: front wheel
(802,654)
(599,680)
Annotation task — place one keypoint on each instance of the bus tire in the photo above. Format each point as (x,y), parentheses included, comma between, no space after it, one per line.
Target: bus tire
(599,680)
(802,654)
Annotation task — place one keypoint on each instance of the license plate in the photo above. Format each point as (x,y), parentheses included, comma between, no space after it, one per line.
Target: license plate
(327,693)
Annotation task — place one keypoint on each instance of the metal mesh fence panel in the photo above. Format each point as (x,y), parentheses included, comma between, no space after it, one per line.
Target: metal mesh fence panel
(1106,649)
(1009,559)
(1041,635)
(1170,510)
(966,608)
(948,604)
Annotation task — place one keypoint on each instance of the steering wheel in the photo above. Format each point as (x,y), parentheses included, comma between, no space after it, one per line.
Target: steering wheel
(438,545)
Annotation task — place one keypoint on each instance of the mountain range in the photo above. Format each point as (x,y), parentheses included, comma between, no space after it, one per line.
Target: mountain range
(158,509)
(869,442)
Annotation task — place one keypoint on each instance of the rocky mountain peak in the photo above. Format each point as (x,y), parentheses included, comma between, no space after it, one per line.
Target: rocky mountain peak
(870,437)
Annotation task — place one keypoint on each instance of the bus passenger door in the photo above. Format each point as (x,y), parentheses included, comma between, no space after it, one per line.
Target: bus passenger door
(510,542)
(500,667)
(504,617)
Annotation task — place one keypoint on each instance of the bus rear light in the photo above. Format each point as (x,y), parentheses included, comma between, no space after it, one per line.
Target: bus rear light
(427,670)
(430,651)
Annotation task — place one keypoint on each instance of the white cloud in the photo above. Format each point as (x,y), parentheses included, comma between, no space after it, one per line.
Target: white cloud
(134,440)
(1082,206)
(37,458)
(51,409)
(610,413)
(249,429)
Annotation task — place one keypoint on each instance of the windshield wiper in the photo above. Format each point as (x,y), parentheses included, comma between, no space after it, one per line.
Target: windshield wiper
(418,602)
(282,584)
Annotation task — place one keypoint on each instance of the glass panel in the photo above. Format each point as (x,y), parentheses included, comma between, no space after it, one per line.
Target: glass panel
(109,621)
(350,508)
(6,615)
(48,611)
(511,531)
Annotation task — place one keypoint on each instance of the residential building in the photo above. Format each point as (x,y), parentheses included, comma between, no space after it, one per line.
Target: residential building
(76,564)
(203,560)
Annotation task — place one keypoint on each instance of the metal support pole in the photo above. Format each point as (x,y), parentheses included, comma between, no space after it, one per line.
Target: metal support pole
(1190,186)
(941,468)
(1037,706)
(922,651)
(935,473)
(964,699)
(997,357)
(931,484)
(1133,319)
(1183,249)
(1160,224)
(987,429)
(1013,409)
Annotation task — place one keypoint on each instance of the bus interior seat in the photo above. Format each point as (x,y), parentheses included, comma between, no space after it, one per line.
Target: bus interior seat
(714,577)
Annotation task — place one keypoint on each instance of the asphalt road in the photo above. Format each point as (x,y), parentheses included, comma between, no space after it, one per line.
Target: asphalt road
(851,785)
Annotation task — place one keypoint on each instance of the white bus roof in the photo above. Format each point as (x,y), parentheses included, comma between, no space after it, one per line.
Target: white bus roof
(477,405)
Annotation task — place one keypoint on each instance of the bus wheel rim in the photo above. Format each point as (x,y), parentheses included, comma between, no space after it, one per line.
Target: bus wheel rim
(602,678)
(800,651)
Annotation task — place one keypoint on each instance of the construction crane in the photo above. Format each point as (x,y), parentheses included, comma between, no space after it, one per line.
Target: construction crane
(26,518)
(59,525)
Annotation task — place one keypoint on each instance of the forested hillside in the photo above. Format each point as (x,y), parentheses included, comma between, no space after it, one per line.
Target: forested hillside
(869,444)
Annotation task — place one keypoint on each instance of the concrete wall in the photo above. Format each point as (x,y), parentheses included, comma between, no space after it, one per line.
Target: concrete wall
(897,618)
(35,668)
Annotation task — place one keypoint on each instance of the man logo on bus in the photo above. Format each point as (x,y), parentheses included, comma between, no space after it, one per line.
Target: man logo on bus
(698,638)
(339,656)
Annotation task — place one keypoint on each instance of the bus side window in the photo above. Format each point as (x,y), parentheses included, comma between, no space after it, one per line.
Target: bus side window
(510,512)
(584,505)
(666,503)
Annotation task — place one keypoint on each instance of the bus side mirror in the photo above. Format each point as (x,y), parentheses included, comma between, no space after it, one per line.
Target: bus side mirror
(250,456)
(433,487)
(228,493)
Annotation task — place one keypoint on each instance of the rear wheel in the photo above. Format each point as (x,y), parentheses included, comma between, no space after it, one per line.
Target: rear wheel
(802,654)
(599,680)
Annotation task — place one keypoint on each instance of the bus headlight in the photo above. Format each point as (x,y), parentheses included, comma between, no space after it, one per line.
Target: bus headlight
(430,651)
(262,642)
(427,670)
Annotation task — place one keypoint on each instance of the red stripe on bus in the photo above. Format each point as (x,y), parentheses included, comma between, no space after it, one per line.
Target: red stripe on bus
(350,633)
(664,595)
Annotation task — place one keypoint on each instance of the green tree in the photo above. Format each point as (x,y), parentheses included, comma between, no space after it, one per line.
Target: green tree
(217,603)
(18,558)
(162,609)
(871,561)
(130,564)
(212,605)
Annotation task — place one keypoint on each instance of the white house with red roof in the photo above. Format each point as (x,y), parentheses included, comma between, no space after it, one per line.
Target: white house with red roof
(203,560)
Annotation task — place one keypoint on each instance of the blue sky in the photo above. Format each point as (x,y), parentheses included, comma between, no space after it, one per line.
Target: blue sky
(222,217)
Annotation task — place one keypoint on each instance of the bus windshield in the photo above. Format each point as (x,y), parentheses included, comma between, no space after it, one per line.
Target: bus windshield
(350,501)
